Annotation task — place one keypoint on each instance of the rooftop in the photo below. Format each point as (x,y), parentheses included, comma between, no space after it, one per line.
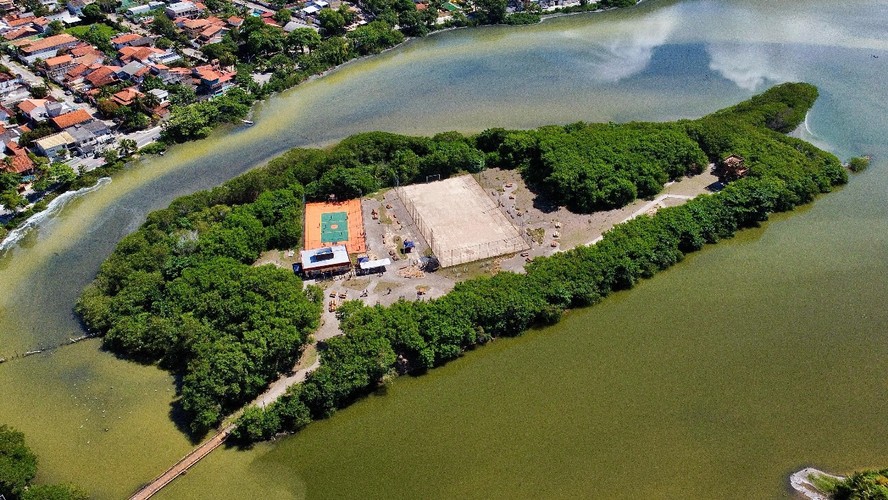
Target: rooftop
(73,118)
(324,257)
(55,140)
(48,43)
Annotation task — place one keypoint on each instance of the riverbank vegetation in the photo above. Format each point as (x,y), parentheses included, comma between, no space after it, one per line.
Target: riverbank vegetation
(181,290)
(18,468)
(863,485)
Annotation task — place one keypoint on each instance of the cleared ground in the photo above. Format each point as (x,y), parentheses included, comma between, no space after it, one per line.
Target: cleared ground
(459,221)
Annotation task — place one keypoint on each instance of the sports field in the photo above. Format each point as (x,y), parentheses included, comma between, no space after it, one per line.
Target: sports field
(459,221)
(340,223)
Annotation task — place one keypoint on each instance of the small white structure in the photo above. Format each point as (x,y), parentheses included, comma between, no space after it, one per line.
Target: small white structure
(325,261)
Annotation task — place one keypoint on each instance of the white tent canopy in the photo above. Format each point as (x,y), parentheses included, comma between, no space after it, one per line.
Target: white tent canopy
(373,264)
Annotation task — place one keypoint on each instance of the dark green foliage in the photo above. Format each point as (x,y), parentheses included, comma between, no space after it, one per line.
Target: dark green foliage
(858,164)
(865,485)
(416,336)
(781,108)
(18,465)
(600,166)
(181,291)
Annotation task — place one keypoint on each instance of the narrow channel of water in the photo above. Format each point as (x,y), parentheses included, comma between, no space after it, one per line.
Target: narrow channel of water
(715,379)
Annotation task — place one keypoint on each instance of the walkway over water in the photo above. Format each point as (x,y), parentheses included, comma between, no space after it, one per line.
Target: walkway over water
(183,465)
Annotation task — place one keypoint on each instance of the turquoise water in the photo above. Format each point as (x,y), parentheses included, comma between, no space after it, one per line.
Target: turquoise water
(715,379)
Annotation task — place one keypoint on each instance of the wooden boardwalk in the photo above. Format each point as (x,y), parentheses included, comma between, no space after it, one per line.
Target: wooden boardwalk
(183,465)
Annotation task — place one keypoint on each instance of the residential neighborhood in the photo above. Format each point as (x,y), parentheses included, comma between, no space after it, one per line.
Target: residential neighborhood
(88,82)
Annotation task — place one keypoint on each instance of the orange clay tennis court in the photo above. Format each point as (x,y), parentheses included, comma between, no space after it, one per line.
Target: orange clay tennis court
(340,223)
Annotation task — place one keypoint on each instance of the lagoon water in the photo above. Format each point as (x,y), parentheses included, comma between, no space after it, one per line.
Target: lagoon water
(715,379)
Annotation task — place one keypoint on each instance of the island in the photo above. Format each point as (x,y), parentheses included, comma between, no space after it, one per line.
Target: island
(188,291)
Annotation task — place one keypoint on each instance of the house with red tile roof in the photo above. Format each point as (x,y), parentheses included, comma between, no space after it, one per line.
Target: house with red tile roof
(19,33)
(17,161)
(103,75)
(34,109)
(46,47)
(66,120)
(57,66)
(127,96)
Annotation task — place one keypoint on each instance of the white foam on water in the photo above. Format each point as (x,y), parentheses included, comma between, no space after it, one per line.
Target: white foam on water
(53,208)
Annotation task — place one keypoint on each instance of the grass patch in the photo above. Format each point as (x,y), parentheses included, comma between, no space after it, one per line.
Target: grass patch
(383,216)
(104,30)
(537,235)
(356,284)
(823,483)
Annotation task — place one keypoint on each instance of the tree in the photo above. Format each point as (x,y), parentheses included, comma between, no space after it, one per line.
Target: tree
(92,13)
(110,156)
(283,16)
(126,147)
(12,200)
(164,27)
(491,11)
(302,39)
(18,465)
(332,22)
(39,91)
(54,28)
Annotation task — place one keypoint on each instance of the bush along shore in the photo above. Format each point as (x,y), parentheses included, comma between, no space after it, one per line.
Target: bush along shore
(870,484)
(181,291)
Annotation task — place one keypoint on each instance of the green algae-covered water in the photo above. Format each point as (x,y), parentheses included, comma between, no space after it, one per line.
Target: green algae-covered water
(715,379)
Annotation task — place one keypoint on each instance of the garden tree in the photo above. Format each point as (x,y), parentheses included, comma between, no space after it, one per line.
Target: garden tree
(413,23)
(374,37)
(302,39)
(163,43)
(126,147)
(333,51)
(108,107)
(110,155)
(107,5)
(53,174)
(283,16)
(18,465)
(332,22)
(54,28)
(261,39)
(133,118)
(39,91)
(92,13)
(181,95)
(224,51)
(12,200)
(164,27)
(490,11)
(8,180)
